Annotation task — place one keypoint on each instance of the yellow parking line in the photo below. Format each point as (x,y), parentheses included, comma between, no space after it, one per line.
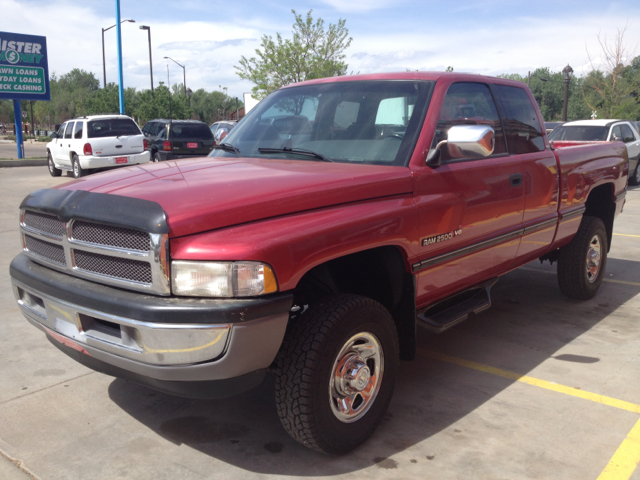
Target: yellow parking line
(608,280)
(574,392)
(626,235)
(626,459)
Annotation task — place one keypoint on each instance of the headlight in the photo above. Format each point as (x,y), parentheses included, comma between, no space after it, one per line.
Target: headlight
(222,279)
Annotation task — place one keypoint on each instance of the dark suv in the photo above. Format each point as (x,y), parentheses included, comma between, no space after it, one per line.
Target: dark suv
(168,140)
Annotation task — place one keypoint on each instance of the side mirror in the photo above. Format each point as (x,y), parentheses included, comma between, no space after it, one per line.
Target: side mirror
(471,141)
(616,138)
(464,141)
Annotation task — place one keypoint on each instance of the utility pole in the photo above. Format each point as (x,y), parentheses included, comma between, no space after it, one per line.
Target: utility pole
(529,79)
(566,73)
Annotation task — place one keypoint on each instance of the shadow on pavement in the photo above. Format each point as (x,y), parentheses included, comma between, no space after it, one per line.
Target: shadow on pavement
(529,322)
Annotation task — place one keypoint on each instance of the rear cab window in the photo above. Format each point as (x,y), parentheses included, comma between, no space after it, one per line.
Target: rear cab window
(524,133)
(112,127)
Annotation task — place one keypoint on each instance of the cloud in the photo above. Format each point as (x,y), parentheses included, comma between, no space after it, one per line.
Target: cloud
(352,6)
(205,45)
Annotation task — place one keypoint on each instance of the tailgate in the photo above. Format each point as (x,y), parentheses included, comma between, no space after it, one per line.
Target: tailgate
(191,139)
(116,146)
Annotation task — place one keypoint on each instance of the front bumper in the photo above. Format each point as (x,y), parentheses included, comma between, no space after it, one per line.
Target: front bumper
(177,345)
(89,162)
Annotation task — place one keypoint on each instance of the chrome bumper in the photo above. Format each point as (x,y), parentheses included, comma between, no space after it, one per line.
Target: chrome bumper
(150,343)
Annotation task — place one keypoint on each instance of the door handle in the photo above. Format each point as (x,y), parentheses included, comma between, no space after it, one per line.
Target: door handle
(515,179)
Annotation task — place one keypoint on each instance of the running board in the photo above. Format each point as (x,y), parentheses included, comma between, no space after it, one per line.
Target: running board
(453,310)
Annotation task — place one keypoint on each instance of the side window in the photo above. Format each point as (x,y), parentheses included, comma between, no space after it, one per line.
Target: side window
(146,128)
(616,133)
(162,134)
(61,130)
(67,132)
(524,133)
(468,104)
(627,134)
(77,131)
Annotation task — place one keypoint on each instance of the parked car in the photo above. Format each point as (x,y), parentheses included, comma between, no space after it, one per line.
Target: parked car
(172,139)
(339,216)
(549,126)
(95,142)
(593,131)
(221,129)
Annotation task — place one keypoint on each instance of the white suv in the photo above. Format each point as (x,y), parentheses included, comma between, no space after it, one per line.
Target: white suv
(96,141)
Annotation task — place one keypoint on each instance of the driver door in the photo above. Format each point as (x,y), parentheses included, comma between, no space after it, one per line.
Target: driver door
(470,209)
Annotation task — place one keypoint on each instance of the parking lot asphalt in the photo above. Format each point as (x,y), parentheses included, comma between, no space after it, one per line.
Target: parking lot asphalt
(537,387)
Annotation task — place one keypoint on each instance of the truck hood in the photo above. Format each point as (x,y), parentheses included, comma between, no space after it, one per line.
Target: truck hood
(208,193)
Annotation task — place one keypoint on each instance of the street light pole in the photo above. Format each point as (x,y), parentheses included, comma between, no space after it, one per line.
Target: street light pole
(184,73)
(566,73)
(104,65)
(148,29)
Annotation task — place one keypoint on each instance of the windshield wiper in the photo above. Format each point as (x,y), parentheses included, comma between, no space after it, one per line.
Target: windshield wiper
(297,151)
(227,147)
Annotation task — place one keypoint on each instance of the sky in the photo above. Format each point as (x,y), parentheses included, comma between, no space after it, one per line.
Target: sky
(488,37)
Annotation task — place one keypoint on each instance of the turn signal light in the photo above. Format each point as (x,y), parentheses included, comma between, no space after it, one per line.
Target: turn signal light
(87,149)
(166,146)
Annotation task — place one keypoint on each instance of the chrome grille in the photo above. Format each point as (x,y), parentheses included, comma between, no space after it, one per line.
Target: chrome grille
(122,268)
(49,251)
(111,236)
(117,256)
(44,223)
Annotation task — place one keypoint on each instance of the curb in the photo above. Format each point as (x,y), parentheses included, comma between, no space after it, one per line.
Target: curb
(22,163)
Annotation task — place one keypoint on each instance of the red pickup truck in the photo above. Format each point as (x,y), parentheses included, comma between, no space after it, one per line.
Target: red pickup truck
(338,216)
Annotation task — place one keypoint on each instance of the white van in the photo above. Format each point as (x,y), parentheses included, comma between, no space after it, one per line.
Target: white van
(96,141)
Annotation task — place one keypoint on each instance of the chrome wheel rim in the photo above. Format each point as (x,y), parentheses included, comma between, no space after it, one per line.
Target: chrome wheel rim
(51,166)
(356,377)
(594,258)
(75,168)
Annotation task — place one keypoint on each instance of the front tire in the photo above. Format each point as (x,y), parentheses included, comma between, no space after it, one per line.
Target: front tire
(336,372)
(53,171)
(581,263)
(77,168)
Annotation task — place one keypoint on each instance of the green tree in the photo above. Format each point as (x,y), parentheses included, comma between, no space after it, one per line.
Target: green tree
(313,52)
(612,89)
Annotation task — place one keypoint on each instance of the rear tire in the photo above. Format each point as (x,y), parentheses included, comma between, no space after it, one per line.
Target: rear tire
(336,372)
(155,158)
(581,263)
(77,168)
(53,171)
(634,177)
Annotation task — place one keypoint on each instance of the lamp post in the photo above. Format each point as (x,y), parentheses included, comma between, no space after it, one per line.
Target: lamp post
(104,67)
(148,29)
(566,73)
(184,73)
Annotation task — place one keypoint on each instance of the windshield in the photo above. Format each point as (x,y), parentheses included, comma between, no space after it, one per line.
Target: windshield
(112,127)
(372,122)
(579,133)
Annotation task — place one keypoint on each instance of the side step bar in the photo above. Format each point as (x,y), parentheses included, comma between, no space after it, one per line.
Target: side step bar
(453,310)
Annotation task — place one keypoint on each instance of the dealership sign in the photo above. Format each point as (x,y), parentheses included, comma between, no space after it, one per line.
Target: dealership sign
(24,70)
